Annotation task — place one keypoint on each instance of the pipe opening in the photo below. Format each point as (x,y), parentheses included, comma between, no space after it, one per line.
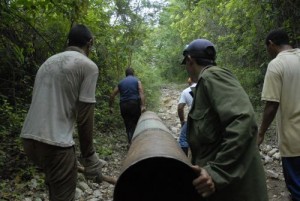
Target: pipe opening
(156,179)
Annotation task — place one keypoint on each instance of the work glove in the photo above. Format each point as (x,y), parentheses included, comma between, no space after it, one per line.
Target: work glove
(92,168)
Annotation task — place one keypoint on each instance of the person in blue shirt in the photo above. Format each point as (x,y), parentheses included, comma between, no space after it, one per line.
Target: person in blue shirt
(132,101)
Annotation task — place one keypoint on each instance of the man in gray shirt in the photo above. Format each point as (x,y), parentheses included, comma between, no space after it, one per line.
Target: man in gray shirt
(63,94)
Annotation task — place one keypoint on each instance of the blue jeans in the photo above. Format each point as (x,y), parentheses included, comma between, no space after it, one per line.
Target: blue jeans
(182,138)
(291,172)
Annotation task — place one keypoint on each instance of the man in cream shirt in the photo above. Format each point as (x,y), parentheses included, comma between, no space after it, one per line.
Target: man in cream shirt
(281,93)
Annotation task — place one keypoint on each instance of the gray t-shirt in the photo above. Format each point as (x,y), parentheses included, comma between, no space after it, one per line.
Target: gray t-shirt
(61,82)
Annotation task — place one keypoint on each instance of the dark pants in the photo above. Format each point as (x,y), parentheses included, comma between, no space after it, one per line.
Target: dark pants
(291,171)
(58,164)
(131,112)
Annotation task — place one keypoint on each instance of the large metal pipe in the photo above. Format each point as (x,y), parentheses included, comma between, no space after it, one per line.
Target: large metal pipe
(155,169)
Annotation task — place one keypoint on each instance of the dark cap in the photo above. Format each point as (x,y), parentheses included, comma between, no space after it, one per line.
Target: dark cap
(200,48)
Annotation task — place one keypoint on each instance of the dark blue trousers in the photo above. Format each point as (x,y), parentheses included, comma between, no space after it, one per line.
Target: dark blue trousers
(291,171)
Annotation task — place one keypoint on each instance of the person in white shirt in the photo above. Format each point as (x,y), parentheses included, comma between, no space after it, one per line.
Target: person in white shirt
(185,99)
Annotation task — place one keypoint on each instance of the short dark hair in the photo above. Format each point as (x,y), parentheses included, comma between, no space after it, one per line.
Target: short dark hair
(129,71)
(278,37)
(204,62)
(79,35)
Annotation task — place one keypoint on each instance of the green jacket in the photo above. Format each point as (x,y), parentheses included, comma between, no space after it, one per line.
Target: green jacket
(222,136)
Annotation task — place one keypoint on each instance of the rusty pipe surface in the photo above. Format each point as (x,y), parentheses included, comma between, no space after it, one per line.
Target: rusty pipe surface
(155,169)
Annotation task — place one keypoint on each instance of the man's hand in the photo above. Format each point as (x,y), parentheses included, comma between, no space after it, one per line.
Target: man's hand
(203,184)
(92,168)
(143,109)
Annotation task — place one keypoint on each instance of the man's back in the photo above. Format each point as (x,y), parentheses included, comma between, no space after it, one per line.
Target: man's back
(62,81)
(221,133)
(129,89)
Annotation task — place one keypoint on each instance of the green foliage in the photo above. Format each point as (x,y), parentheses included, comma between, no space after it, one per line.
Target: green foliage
(250,79)
(104,120)
(151,82)
(237,28)
(11,119)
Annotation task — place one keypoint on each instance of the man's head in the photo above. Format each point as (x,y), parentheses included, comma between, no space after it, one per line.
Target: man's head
(276,41)
(198,54)
(129,71)
(202,50)
(80,36)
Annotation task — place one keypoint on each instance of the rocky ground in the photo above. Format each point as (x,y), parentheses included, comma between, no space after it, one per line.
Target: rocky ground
(116,142)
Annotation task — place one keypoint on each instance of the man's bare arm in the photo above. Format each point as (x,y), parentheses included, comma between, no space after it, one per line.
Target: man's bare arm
(85,123)
(268,116)
(142,96)
(180,111)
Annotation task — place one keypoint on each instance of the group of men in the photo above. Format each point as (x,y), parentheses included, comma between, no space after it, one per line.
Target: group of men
(221,129)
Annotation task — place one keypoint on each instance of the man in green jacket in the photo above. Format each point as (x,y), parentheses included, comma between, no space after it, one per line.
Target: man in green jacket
(222,131)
